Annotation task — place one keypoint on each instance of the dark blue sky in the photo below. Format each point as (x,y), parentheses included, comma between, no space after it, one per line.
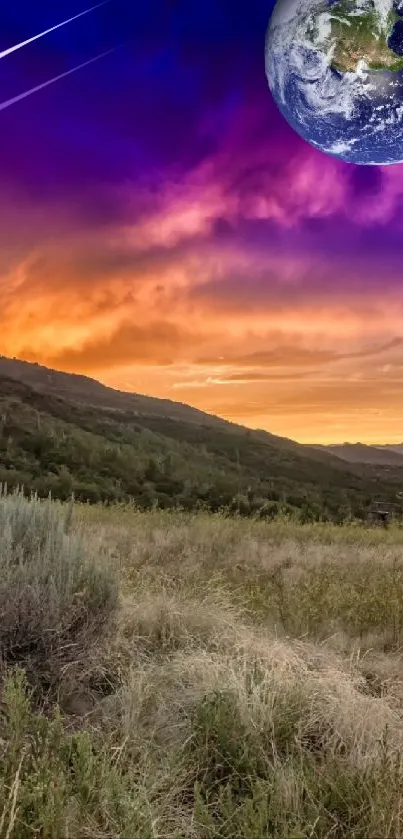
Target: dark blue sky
(179,60)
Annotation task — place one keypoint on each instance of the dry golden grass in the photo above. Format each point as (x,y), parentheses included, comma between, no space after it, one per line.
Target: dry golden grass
(247,681)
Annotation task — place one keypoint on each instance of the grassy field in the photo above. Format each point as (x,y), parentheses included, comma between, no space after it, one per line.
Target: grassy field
(168,675)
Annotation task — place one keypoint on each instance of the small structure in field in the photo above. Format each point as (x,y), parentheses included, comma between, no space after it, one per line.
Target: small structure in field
(382,512)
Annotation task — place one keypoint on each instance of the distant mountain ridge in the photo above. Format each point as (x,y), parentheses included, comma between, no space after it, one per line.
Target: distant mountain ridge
(64,433)
(381,455)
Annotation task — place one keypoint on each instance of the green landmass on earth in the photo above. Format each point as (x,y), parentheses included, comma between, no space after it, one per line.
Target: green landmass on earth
(361,37)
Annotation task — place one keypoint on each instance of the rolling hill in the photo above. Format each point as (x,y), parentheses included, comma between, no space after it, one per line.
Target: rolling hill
(63,433)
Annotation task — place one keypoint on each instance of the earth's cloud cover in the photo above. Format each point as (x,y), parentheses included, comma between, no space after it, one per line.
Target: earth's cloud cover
(164,230)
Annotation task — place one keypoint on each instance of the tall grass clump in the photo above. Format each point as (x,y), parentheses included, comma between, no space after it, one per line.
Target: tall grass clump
(55,593)
(265,739)
(58,782)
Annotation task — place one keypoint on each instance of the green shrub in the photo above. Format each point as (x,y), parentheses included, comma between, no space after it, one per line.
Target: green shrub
(55,595)
(57,783)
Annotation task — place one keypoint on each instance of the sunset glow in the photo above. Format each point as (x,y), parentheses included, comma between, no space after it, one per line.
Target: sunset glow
(164,231)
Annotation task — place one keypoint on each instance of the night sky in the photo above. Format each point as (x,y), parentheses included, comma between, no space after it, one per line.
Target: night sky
(165,231)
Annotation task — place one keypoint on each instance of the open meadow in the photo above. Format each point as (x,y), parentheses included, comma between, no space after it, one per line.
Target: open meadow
(169,675)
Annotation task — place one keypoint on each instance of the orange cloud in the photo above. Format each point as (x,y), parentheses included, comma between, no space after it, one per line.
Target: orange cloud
(157,343)
(289,341)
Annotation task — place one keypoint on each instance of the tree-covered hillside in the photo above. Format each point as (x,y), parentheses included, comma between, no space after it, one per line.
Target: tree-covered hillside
(109,452)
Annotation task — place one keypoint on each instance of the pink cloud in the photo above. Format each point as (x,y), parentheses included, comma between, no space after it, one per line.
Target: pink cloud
(307,186)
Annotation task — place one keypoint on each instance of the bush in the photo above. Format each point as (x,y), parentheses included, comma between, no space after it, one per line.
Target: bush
(55,595)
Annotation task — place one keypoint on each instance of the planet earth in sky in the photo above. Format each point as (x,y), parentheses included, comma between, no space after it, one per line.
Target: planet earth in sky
(335,70)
